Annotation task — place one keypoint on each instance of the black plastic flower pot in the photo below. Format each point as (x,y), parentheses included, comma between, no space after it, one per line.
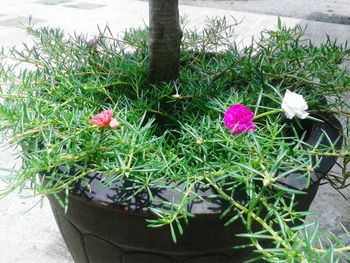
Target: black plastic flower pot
(101,227)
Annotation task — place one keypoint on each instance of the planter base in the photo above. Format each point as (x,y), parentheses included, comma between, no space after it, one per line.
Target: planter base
(96,234)
(87,247)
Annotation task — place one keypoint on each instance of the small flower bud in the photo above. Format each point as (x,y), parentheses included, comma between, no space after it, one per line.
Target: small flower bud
(114,124)
(268,180)
(199,141)
(176,96)
(93,42)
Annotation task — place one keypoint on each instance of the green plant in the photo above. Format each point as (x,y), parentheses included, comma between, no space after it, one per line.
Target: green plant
(174,132)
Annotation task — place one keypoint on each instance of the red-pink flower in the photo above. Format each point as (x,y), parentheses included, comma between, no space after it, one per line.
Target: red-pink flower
(102,119)
(238,118)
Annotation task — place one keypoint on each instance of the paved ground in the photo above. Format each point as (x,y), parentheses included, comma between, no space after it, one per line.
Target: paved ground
(333,11)
(30,235)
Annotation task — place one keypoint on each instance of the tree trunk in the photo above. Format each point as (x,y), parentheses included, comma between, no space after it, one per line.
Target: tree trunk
(164,40)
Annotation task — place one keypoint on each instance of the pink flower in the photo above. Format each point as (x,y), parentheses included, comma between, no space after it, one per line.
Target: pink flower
(238,118)
(102,119)
(93,42)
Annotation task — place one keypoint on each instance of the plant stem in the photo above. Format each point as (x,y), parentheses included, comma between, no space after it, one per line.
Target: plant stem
(344,113)
(183,202)
(269,229)
(267,113)
(340,154)
(30,132)
(258,219)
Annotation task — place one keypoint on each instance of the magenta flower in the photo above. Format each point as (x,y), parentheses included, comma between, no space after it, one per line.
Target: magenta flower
(238,118)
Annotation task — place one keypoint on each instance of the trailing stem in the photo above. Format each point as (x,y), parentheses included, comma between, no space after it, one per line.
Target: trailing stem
(274,234)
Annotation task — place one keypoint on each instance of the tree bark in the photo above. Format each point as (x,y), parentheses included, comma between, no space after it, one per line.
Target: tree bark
(164,40)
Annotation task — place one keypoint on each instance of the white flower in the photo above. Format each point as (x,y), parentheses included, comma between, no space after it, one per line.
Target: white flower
(294,104)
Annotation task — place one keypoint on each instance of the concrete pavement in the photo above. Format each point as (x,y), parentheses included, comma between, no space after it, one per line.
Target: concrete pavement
(32,236)
(332,11)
